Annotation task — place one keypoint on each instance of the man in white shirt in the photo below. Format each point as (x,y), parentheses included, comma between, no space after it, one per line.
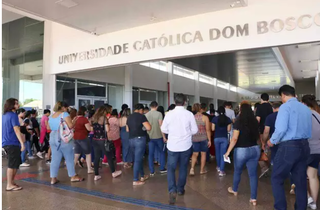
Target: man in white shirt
(180,125)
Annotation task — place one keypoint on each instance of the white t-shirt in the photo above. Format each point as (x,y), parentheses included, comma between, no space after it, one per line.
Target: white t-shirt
(180,125)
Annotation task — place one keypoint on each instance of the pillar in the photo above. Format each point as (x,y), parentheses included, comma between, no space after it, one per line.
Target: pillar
(170,83)
(196,87)
(127,94)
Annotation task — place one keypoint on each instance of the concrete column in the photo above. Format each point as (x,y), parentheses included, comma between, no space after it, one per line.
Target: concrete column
(170,83)
(196,87)
(215,94)
(127,94)
(228,92)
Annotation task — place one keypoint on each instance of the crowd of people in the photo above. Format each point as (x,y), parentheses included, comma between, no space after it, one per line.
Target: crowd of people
(281,138)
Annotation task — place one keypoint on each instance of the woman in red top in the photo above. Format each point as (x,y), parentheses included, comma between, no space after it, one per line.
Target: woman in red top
(81,140)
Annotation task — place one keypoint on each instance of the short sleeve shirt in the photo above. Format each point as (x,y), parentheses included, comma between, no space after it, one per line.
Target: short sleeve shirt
(245,139)
(9,121)
(135,123)
(80,130)
(55,122)
(271,121)
(153,117)
(263,111)
(220,132)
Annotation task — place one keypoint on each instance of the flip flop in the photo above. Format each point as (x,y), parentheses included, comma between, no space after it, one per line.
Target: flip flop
(56,182)
(78,180)
(203,172)
(14,189)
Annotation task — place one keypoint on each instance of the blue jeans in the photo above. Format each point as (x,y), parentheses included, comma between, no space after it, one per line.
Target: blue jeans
(27,145)
(173,159)
(156,143)
(221,146)
(127,154)
(248,156)
(138,148)
(65,150)
(291,158)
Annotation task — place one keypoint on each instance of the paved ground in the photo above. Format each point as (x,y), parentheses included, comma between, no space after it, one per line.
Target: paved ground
(202,192)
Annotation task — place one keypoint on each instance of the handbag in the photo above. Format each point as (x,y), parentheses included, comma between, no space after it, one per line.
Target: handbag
(66,134)
(108,145)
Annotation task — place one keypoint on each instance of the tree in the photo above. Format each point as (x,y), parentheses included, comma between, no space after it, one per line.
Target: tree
(28,101)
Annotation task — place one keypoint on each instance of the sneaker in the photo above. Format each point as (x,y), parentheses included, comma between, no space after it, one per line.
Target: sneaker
(48,161)
(25,165)
(152,174)
(191,173)
(116,174)
(310,200)
(120,163)
(39,154)
(222,173)
(312,205)
(96,178)
(172,198)
(164,171)
(103,163)
(181,193)
(31,157)
(218,169)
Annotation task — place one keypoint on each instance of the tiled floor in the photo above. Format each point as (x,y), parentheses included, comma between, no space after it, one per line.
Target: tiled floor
(202,192)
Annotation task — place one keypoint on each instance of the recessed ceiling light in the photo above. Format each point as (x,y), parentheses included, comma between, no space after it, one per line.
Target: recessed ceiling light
(67,3)
(307,70)
(307,77)
(306,60)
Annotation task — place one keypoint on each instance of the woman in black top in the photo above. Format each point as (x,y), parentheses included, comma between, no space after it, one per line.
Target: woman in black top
(247,151)
(100,128)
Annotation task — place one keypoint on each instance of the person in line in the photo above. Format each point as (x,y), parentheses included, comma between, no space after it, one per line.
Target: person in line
(91,112)
(180,125)
(72,113)
(211,150)
(231,114)
(114,135)
(201,141)
(25,135)
(170,108)
(36,130)
(157,138)
(123,107)
(59,148)
(211,111)
(269,130)
(314,144)
(44,134)
(29,132)
(127,155)
(189,108)
(101,127)
(12,141)
(156,151)
(146,110)
(292,130)
(247,152)
(221,125)
(263,110)
(137,126)
(82,127)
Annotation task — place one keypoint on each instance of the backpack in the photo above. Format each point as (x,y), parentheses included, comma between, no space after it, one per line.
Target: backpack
(66,134)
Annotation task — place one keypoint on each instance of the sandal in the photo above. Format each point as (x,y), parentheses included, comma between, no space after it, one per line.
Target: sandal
(253,202)
(15,188)
(77,179)
(191,172)
(230,190)
(203,172)
(55,182)
(138,183)
(145,178)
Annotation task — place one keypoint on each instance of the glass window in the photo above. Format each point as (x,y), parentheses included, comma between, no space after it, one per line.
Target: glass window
(65,90)
(89,88)
(115,93)
(233,88)
(148,95)
(160,65)
(205,79)
(183,72)
(221,84)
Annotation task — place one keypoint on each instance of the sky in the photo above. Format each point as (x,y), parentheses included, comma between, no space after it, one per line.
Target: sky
(30,90)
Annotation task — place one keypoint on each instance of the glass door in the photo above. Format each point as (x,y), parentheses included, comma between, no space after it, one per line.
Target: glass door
(84,101)
(91,100)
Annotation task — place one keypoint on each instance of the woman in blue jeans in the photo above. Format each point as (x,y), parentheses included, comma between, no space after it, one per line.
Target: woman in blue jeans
(127,155)
(137,126)
(222,126)
(59,148)
(246,152)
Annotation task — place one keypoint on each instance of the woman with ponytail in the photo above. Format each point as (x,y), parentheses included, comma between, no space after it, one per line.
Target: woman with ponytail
(222,126)
(314,144)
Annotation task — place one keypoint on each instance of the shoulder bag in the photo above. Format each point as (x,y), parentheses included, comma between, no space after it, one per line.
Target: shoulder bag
(66,134)
(108,145)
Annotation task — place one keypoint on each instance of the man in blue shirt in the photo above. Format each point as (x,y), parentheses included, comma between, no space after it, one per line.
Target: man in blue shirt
(12,141)
(292,131)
